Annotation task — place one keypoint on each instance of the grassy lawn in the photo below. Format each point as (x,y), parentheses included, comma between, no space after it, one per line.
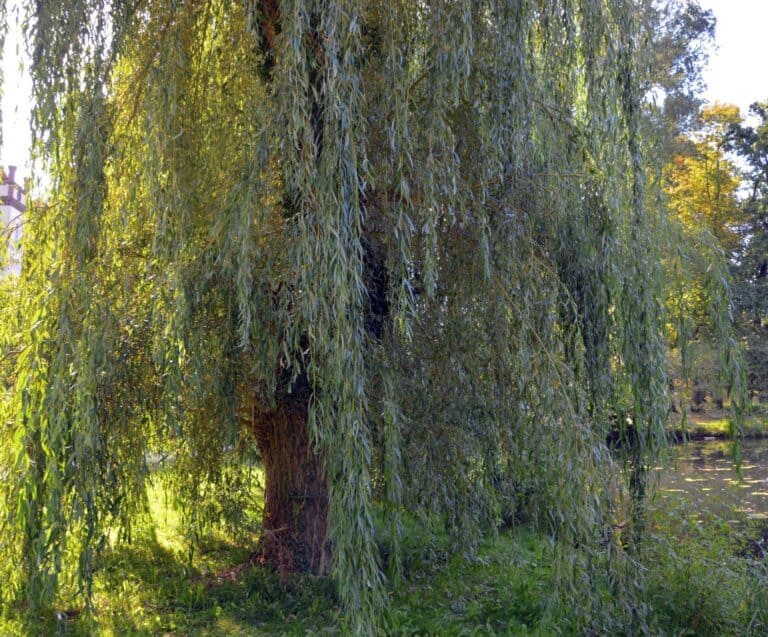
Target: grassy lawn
(155,586)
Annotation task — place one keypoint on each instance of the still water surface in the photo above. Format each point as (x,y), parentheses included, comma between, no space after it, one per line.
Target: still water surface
(705,477)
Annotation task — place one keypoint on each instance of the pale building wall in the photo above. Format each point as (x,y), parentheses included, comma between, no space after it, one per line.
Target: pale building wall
(12,207)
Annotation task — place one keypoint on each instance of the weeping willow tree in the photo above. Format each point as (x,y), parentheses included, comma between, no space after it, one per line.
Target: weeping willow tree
(396,250)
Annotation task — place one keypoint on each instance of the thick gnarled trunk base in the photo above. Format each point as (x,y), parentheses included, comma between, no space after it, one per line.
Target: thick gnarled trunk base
(295,523)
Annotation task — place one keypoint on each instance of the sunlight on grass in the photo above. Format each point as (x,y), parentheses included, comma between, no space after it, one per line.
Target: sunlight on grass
(166,519)
(704,425)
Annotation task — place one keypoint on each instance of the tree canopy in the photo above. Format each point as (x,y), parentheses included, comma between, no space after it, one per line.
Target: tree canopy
(702,183)
(680,34)
(398,253)
(751,143)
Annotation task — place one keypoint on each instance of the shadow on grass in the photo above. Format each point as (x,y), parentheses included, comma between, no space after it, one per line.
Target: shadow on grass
(154,587)
(170,594)
(147,589)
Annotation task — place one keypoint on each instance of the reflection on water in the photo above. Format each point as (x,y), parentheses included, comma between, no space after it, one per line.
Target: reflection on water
(706,477)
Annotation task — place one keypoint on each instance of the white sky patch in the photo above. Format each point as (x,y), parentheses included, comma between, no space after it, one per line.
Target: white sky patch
(738,68)
(16,98)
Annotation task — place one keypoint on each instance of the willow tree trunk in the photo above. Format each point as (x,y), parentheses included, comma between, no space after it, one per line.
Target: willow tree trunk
(295,536)
(295,522)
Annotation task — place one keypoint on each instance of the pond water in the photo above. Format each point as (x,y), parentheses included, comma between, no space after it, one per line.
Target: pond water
(705,478)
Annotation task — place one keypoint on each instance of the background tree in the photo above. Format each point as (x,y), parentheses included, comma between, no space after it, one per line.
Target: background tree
(679,35)
(751,143)
(399,251)
(700,188)
(702,183)
(751,263)
(691,182)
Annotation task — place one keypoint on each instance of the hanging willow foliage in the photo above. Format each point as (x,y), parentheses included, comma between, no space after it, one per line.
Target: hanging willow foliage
(399,249)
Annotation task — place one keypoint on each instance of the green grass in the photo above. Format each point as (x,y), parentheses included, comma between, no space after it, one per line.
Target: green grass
(501,590)
(154,588)
(694,582)
(706,576)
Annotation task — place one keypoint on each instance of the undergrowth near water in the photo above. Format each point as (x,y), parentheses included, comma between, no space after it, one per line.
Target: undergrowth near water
(706,575)
(699,427)
(693,578)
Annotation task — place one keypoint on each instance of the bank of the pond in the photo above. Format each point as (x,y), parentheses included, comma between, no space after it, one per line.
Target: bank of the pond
(716,427)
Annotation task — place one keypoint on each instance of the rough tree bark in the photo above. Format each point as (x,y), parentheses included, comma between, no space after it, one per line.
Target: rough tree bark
(295,522)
